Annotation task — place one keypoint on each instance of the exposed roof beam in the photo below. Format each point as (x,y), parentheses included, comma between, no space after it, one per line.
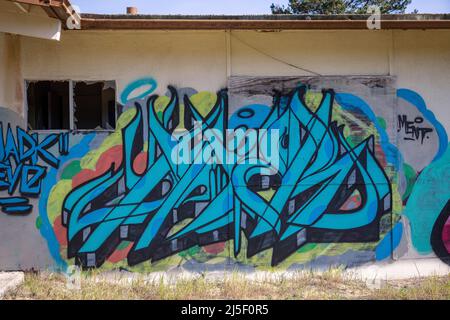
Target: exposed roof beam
(46,3)
(30,25)
(58,9)
(21,7)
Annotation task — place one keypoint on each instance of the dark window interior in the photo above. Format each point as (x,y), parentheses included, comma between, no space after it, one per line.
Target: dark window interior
(48,105)
(94,105)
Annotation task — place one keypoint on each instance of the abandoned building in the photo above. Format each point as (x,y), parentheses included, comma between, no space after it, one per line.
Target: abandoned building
(90,105)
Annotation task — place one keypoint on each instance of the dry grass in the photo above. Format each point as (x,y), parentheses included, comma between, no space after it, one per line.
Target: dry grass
(432,288)
(328,285)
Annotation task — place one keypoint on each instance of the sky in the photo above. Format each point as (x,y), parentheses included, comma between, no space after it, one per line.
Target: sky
(218,6)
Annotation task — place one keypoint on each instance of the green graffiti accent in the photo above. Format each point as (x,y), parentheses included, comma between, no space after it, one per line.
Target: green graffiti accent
(410,175)
(348,120)
(179,226)
(382,122)
(160,105)
(71,170)
(313,100)
(38,223)
(123,245)
(397,202)
(267,194)
(429,196)
(204,102)
(190,252)
(56,199)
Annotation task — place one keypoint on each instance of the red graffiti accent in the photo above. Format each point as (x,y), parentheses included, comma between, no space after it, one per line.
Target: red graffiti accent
(119,255)
(381,156)
(214,248)
(60,231)
(140,163)
(82,176)
(352,203)
(446,235)
(112,155)
(104,163)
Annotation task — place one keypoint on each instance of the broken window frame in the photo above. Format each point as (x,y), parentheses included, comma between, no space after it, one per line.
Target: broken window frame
(26,104)
(72,106)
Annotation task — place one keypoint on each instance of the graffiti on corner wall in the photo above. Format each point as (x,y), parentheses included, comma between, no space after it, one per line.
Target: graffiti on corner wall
(334,178)
(24,159)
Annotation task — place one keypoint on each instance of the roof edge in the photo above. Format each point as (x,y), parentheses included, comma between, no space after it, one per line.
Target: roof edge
(260,22)
(62,10)
(278,17)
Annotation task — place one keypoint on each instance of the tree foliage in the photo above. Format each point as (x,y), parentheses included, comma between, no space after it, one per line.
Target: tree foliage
(339,6)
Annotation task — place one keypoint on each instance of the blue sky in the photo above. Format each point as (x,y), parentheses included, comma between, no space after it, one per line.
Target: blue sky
(217,6)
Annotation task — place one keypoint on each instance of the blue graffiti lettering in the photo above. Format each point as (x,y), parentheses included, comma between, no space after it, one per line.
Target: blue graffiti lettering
(19,168)
(318,172)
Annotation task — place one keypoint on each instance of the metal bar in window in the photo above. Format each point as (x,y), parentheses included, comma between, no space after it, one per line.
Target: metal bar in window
(115,105)
(71,108)
(25,103)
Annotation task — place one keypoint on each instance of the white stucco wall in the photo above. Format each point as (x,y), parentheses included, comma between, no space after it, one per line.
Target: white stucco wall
(184,59)
(422,63)
(203,59)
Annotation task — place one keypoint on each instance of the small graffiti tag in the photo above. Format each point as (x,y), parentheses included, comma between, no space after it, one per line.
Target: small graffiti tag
(19,168)
(414,130)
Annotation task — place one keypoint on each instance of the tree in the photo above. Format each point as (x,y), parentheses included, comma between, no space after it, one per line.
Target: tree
(339,6)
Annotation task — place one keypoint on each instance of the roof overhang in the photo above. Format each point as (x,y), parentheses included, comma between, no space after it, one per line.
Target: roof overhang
(57,9)
(22,18)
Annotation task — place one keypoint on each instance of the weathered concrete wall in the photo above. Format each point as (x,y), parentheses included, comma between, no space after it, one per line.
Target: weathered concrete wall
(386,202)
(11,81)
(172,58)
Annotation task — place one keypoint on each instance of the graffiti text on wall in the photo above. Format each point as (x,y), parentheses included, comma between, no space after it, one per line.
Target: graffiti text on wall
(23,157)
(413,130)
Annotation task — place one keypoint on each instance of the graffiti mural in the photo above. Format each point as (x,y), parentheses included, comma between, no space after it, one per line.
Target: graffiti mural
(21,156)
(286,172)
(320,174)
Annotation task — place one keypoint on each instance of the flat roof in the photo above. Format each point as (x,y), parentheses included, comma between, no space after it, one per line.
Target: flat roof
(260,22)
